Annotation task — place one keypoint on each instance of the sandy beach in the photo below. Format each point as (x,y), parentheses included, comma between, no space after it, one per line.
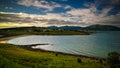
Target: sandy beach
(5,39)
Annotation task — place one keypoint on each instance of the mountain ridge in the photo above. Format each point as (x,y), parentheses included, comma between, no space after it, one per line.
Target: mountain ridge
(91,27)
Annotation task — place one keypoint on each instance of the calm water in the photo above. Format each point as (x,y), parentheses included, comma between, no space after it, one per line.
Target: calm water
(99,44)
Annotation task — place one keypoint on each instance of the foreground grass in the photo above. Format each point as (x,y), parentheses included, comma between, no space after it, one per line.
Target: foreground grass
(15,57)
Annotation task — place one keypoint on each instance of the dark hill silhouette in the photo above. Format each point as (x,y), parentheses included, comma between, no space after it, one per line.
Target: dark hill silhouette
(92,27)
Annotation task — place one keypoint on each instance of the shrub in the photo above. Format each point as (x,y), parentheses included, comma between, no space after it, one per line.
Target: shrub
(113,59)
(101,61)
(79,60)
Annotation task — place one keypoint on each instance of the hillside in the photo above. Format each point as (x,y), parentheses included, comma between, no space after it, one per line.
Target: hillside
(15,57)
(92,27)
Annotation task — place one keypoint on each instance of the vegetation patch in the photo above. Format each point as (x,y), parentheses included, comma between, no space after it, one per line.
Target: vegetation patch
(12,56)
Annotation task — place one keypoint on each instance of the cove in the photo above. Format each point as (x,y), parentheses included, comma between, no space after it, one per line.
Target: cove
(97,45)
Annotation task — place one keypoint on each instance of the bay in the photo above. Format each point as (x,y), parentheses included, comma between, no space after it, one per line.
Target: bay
(97,45)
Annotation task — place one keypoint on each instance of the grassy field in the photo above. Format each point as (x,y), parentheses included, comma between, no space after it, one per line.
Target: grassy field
(12,56)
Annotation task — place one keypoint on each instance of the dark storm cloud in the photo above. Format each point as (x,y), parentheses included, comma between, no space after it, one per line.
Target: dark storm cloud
(18,18)
(9,18)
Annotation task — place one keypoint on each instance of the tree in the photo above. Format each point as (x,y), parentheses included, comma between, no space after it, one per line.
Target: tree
(113,59)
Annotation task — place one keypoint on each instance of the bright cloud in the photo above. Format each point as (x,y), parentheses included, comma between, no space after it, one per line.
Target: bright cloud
(91,15)
(39,4)
(80,17)
(49,6)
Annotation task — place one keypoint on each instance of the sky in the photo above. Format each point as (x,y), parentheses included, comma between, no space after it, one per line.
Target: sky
(18,13)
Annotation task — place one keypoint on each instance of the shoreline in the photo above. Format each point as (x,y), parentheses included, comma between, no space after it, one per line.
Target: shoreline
(6,38)
(63,53)
(28,47)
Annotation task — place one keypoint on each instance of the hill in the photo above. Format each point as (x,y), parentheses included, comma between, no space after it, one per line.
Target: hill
(92,27)
(73,28)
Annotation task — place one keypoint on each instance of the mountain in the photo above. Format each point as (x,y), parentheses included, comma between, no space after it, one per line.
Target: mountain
(66,27)
(92,27)
(102,28)
(53,27)
(70,27)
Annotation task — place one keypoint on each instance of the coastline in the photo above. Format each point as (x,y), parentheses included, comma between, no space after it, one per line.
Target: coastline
(63,53)
(4,40)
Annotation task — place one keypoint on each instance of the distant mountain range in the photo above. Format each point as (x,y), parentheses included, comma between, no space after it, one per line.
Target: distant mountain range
(92,27)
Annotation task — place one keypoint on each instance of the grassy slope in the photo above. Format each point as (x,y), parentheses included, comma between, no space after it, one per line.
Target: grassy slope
(15,57)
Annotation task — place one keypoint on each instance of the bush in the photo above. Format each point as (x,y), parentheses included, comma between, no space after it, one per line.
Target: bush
(113,59)
(79,60)
(101,61)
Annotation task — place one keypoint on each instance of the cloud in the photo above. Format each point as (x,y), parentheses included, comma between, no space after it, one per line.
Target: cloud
(115,2)
(105,11)
(79,12)
(47,5)
(88,15)
(74,17)
(93,16)
(111,20)
(8,8)
(64,0)
(108,2)
(39,4)
(68,7)
(48,19)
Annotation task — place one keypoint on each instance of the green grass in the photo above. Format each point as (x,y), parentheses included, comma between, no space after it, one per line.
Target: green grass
(15,57)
